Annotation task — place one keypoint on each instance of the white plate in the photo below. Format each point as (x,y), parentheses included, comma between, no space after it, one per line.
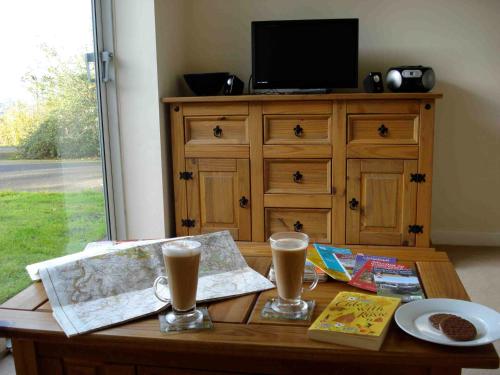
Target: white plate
(413,318)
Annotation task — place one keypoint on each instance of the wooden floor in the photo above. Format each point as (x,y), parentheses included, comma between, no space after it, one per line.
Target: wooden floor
(478,268)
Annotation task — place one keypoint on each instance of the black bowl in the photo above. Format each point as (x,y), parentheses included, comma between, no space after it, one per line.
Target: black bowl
(206,84)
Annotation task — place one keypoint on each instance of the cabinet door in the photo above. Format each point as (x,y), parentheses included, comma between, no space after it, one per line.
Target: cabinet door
(219,196)
(381,202)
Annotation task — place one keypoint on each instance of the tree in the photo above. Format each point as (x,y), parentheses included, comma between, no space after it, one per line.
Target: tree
(17,122)
(63,121)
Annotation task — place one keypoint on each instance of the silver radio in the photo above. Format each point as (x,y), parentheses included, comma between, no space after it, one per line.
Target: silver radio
(410,78)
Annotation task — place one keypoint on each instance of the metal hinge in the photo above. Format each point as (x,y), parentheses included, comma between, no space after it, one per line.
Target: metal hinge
(417,177)
(189,223)
(186,175)
(415,228)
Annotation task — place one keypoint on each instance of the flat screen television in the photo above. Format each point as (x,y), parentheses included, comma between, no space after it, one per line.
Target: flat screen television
(305,54)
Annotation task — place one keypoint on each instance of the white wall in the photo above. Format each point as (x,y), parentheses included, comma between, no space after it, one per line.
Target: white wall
(139,119)
(170,51)
(458,38)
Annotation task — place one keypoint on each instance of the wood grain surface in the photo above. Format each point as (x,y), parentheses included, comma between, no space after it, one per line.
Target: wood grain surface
(280,129)
(382,151)
(294,97)
(28,299)
(401,129)
(424,194)
(440,280)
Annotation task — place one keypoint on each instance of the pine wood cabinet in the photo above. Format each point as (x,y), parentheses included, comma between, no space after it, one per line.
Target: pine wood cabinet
(344,168)
(381,202)
(218,197)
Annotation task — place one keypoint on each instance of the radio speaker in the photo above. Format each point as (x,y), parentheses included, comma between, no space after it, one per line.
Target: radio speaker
(373,82)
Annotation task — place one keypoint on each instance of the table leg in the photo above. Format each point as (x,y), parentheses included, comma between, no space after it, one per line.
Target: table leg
(24,357)
(3,347)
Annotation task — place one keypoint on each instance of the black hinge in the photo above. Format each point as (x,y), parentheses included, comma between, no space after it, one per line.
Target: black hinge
(417,177)
(187,223)
(186,175)
(415,229)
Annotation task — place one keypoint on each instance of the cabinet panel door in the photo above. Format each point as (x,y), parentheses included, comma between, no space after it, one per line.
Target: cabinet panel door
(219,196)
(381,202)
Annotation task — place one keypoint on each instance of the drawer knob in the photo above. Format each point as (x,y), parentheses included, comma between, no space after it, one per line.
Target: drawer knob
(297,227)
(243,202)
(353,204)
(298,130)
(217,131)
(297,177)
(383,130)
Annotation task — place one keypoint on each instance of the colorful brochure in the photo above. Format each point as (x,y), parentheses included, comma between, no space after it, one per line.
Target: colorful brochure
(336,259)
(397,280)
(361,259)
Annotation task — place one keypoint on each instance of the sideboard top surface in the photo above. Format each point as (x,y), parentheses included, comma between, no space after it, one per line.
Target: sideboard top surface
(293,97)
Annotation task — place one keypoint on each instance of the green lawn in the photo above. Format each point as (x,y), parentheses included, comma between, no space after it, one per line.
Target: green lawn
(40,226)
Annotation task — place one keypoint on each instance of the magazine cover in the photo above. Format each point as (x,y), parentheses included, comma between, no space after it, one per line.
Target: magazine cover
(363,279)
(361,259)
(397,280)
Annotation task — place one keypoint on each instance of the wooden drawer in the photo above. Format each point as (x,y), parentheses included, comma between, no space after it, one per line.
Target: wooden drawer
(294,176)
(216,130)
(297,129)
(316,223)
(383,129)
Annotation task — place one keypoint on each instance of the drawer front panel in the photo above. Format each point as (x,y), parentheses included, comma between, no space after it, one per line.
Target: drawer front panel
(383,129)
(297,129)
(216,130)
(316,223)
(292,176)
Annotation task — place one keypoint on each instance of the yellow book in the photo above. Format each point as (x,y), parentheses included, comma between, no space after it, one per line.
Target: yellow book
(355,319)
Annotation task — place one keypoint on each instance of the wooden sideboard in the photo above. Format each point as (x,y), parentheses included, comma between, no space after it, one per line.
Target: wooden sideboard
(350,168)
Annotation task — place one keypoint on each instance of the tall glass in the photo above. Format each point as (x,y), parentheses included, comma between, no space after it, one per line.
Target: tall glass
(182,261)
(289,257)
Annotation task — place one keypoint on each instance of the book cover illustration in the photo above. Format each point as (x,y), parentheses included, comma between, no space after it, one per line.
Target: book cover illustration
(337,258)
(361,259)
(363,279)
(397,280)
(357,313)
(337,273)
(347,261)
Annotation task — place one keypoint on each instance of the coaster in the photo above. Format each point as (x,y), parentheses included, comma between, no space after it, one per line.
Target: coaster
(206,323)
(268,312)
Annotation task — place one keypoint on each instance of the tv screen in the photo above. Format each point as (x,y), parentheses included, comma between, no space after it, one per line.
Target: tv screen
(305,54)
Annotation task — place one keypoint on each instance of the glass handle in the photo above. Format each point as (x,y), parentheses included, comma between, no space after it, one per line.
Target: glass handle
(314,282)
(155,288)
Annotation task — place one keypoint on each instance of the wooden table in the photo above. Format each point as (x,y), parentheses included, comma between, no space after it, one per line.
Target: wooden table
(240,341)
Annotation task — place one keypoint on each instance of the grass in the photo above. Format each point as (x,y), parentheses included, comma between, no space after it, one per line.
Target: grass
(40,226)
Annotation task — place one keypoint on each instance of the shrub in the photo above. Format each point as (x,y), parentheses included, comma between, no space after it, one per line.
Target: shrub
(42,143)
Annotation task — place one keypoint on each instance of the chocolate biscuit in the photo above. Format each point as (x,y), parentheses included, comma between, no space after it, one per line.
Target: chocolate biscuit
(458,329)
(437,318)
